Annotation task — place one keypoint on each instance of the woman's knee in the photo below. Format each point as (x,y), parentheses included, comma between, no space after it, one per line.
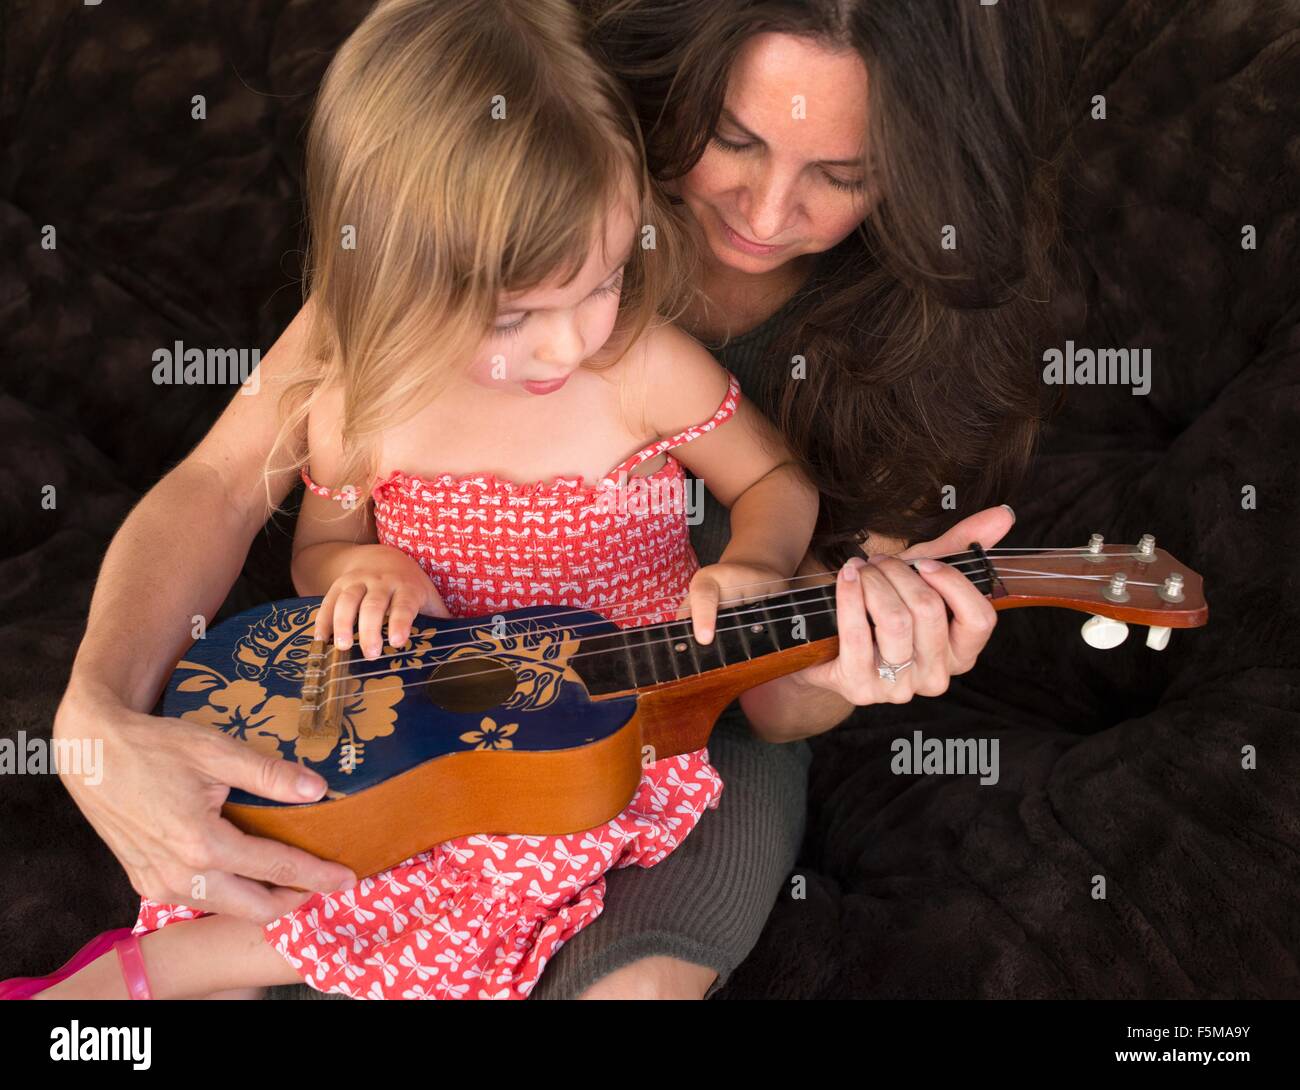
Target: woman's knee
(654,978)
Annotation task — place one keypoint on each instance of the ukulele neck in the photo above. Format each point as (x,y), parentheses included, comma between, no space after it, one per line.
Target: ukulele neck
(780,632)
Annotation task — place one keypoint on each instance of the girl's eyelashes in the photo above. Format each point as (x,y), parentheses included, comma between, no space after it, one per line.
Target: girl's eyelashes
(612,288)
(512,329)
(836,183)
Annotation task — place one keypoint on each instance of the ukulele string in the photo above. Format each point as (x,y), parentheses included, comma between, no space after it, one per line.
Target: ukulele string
(758,603)
(479,673)
(1020,574)
(583,654)
(332,682)
(646,612)
(620,612)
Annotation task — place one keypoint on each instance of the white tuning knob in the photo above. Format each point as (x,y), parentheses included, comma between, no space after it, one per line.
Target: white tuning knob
(1103,633)
(1157,637)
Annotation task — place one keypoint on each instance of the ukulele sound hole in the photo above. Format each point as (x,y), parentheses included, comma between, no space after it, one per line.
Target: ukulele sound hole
(471,685)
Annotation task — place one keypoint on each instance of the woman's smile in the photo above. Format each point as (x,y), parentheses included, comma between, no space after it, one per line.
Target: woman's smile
(745,245)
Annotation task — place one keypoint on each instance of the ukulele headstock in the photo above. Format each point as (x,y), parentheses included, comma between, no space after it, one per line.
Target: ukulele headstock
(1118,585)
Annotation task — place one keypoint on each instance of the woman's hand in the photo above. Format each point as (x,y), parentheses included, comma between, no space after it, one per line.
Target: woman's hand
(726,584)
(157,805)
(376,581)
(913,633)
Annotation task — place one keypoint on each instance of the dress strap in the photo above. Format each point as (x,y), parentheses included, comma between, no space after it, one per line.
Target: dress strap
(725,411)
(339,494)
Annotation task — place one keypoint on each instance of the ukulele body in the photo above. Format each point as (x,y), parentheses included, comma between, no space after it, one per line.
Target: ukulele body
(478,725)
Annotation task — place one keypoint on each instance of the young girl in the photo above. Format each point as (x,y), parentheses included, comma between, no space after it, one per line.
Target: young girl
(489,258)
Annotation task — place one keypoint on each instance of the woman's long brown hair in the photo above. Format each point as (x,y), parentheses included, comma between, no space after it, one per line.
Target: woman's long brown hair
(922,362)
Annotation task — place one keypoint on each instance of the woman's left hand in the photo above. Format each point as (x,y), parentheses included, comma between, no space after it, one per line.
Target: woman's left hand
(892,615)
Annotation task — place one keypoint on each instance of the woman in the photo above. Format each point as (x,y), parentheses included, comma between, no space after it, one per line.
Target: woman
(869,187)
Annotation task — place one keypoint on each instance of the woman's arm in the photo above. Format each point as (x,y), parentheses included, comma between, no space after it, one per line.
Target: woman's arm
(174,559)
(181,548)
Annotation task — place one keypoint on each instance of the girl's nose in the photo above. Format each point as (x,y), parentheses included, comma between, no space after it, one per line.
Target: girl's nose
(561,344)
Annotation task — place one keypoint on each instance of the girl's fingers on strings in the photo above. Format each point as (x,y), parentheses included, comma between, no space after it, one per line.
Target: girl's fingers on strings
(434,605)
(435,608)
(325,615)
(704,596)
(345,613)
(370,620)
(401,615)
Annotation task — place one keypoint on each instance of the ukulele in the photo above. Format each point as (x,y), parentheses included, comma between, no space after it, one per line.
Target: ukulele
(537,720)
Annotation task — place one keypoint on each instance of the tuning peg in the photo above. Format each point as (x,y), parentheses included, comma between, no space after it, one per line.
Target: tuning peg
(1157,637)
(1103,633)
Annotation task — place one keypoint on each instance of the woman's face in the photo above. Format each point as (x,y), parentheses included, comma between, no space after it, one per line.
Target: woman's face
(782,175)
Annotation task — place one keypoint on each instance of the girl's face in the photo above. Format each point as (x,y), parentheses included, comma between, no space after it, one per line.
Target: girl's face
(782,175)
(541,337)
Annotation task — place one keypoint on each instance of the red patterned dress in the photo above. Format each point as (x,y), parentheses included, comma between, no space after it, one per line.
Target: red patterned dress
(478,917)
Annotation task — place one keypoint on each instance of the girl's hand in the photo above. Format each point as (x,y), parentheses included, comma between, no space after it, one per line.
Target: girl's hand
(378,581)
(726,584)
(909,610)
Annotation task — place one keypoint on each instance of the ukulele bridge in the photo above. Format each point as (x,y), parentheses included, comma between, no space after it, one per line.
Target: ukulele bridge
(327,682)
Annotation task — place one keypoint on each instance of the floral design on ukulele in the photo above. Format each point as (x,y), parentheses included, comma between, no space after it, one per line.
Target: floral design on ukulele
(260,704)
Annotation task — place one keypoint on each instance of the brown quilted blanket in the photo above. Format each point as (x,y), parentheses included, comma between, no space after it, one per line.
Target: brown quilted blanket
(1125,764)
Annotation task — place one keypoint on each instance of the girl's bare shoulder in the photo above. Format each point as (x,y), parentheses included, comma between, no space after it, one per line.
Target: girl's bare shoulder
(678,378)
(325,432)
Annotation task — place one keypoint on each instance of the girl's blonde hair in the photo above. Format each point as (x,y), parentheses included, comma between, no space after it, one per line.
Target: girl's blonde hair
(457,150)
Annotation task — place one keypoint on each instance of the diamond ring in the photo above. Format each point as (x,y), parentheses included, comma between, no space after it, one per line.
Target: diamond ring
(889,671)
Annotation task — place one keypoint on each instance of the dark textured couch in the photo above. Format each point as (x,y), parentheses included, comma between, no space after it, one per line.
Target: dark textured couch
(1125,764)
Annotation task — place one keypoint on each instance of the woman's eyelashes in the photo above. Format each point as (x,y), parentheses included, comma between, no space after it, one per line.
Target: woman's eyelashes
(512,329)
(846,187)
(834,182)
(728,145)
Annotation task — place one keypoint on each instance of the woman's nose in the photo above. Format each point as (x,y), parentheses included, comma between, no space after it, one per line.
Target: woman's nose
(771,199)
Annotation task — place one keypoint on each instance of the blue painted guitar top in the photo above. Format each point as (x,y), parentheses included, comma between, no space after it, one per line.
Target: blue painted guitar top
(246,677)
